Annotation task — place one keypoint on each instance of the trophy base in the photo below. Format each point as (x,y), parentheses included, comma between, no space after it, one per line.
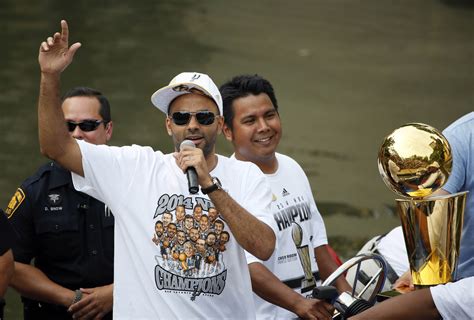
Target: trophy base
(432,230)
(307,285)
(435,271)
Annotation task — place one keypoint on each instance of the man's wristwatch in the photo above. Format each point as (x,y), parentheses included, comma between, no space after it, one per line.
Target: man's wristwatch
(77,297)
(216,185)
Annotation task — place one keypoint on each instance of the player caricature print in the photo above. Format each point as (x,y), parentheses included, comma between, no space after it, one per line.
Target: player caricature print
(191,239)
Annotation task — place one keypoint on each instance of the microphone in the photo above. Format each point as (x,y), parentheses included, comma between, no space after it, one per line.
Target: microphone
(191,174)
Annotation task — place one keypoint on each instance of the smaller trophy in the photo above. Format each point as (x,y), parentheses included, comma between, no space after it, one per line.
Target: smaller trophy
(308,283)
(414,161)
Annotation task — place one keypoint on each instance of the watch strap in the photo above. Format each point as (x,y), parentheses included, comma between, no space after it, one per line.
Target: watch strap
(216,185)
(77,296)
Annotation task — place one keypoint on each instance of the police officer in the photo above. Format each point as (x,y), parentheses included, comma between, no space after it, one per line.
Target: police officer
(6,257)
(67,233)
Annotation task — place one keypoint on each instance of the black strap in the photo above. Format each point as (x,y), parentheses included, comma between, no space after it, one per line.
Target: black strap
(376,243)
(391,274)
(296,283)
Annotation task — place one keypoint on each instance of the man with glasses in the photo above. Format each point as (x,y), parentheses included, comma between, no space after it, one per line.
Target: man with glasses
(69,234)
(286,280)
(140,185)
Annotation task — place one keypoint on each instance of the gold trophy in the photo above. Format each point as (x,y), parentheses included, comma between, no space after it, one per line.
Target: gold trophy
(308,282)
(414,161)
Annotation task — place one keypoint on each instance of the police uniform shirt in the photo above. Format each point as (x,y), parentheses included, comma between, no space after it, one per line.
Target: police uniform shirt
(69,234)
(7,236)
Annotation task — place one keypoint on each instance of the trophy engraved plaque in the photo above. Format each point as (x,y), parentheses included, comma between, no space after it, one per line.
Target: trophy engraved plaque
(308,282)
(414,161)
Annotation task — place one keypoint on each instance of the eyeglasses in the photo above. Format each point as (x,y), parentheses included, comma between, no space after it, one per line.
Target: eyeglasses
(86,125)
(204,118)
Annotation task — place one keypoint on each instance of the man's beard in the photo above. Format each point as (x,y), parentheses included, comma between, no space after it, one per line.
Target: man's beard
(207,149)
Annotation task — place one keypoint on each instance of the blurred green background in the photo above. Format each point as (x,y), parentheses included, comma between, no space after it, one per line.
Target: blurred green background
(346,74)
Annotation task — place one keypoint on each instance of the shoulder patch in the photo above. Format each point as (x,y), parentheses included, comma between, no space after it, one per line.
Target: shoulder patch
(15,202)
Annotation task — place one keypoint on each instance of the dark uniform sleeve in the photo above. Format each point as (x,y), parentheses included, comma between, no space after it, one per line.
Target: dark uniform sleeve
(20,215)
(67,233)
(7,235)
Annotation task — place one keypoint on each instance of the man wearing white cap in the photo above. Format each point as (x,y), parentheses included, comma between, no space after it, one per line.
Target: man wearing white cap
(141,185)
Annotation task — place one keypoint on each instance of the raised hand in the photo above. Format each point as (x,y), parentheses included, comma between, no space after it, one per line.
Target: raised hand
(54,53)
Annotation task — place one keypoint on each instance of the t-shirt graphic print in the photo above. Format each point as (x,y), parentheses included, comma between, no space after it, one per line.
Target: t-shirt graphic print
(191,239)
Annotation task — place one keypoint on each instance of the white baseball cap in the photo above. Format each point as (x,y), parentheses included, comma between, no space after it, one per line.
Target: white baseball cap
(182,84)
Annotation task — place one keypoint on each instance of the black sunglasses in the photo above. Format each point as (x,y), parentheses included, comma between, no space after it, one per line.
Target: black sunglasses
(204,118)
(86,125)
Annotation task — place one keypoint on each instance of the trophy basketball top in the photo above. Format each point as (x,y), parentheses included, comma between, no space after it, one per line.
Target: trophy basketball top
(415,160)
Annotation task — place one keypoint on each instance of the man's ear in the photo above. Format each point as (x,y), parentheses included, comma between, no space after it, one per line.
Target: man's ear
(228,133)
(168,126)
(109,128)
(220,125)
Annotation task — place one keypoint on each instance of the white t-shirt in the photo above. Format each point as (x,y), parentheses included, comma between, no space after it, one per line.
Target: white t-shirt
(455,300)
(293,205)
(157,275)
(392,248)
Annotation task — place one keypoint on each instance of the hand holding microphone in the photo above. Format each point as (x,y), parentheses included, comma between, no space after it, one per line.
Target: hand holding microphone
(191,174)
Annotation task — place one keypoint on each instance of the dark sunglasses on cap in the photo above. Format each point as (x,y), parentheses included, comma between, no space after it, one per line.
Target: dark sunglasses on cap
(204,118)
(186,88)
(86,125)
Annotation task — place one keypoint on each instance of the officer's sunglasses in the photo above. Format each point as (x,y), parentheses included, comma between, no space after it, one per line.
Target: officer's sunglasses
(204,118)
(85,125)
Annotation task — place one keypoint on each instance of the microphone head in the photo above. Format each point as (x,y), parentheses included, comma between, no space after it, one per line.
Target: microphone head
(187,144)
